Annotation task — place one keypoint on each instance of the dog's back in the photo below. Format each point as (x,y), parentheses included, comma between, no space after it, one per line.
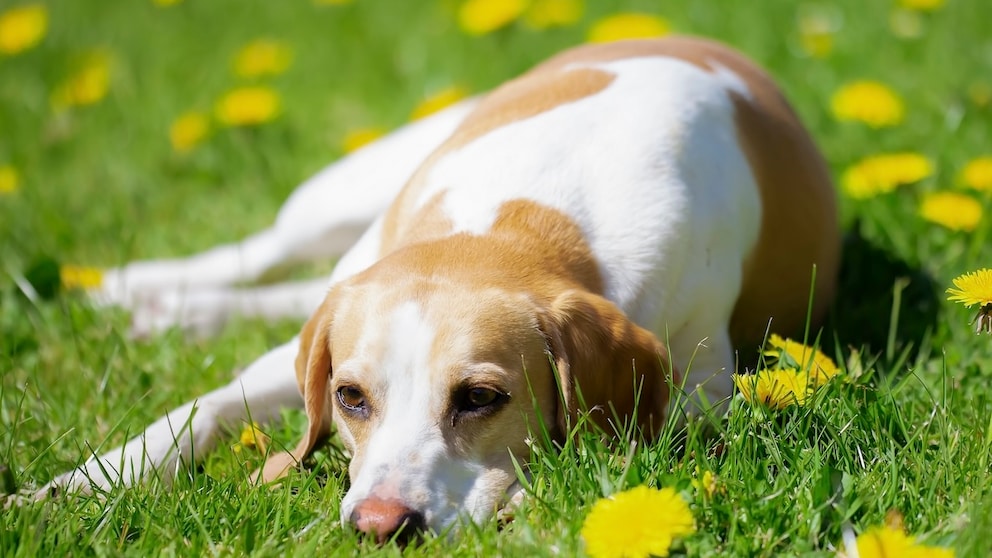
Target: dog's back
(703,200)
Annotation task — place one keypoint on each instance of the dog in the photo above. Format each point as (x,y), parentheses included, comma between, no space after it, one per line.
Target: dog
(605,229)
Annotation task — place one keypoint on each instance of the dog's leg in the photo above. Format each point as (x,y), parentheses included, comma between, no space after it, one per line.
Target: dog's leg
(174,442)
(204,311)
(708,368)
(321,219)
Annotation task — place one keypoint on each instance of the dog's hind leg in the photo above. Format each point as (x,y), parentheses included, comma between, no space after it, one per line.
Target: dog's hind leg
(173,443)
(204,311)
(322,218)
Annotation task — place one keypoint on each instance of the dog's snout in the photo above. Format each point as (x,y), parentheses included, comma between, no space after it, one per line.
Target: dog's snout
(387,520)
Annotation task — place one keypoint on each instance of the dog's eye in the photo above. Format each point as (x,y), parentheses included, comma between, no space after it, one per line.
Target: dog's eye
(481,397)
(478,399)
(351,398)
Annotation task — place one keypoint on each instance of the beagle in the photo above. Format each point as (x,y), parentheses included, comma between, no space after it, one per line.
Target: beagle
(616,220)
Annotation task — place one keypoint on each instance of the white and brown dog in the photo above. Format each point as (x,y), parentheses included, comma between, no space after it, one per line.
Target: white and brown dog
(623,215)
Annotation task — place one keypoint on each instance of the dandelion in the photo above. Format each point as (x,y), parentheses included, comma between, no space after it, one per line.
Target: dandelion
(438,101)
(816,34)
(775,389)
(88,85)
(22,28)
(880,542)
(247,106)
(479,17)
(188,131)
(356,139)
(262,57)
(870,102)
(980,94)
(627,26)
(975,288)
(819,366)
(544,14)
(10,180)
(80,277)
(252,437)
(957,212)
(977,174)
(881,174)
(705,483)
(906,24)
(922,5)
(638,522)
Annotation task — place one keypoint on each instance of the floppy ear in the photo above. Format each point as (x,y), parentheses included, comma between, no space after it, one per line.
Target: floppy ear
(313,370)
(606,357)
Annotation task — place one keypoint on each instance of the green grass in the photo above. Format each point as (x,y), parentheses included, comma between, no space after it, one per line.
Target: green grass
(908,428)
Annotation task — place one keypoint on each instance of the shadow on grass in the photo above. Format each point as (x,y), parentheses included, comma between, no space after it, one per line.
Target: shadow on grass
(884,304)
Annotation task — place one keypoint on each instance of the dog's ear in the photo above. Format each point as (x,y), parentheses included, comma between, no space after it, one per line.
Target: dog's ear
(604,356)
(313,371)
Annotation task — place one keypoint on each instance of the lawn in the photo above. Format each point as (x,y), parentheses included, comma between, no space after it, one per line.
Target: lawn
(902,436)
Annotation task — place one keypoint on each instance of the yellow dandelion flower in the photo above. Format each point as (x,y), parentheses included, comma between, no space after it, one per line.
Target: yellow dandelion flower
(775,389)
(438,101)
(922,5)
(356,139)
(10,180)
(22,28)
(975,288)
(80,277)
(955,211)
(881,174)
(247,106)
(188,131)
(906,24)
(639,522)
(479,17)
(819,366)
(252,437)
(818,44)
(627,26)
(880,542)
(972,288)
(980,94)
(705,483)
(87,85)
(816,34)
(977,174)
(545,14)
(870,102)
(262,57)
(166,3)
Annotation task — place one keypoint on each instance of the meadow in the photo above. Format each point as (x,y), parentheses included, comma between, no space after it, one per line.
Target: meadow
(120,139)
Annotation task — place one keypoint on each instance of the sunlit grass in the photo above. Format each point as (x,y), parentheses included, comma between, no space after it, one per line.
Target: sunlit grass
(904,426)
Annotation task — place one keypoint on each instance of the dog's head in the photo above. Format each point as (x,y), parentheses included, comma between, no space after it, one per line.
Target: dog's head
(433,383)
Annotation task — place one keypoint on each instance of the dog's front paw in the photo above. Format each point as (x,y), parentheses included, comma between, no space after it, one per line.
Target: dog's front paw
(515,496)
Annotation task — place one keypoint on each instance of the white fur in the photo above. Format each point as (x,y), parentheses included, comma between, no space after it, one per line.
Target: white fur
(407,458)
(650,170)
(684,183)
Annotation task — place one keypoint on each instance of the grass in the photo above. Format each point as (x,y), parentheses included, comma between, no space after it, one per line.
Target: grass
(907,429)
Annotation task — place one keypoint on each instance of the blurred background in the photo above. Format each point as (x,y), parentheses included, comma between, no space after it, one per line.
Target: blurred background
(120,137)
(136,129)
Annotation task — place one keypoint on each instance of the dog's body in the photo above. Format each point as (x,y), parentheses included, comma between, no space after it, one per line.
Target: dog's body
(614,206)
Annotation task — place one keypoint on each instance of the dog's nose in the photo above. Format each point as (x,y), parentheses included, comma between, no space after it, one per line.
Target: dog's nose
(387,520)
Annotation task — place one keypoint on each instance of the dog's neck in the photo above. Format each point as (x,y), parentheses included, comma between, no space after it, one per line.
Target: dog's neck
(529,248)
